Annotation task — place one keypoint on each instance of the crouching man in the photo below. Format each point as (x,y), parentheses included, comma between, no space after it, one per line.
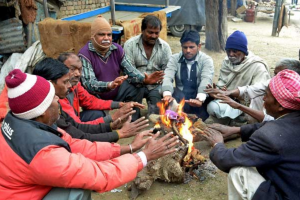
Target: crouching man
(267,165)
(41,161)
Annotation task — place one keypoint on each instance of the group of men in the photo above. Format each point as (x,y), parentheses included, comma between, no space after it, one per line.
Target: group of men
(57,141)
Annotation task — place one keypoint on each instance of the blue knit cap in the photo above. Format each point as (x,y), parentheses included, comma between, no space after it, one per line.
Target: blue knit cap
(238,41)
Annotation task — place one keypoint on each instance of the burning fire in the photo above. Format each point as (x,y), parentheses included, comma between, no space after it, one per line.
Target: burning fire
(182,121)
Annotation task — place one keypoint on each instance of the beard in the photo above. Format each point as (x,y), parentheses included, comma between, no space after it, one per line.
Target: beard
(235,60)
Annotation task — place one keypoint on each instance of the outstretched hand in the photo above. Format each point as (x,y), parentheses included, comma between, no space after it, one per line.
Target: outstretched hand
(212,90)
(154,78)
(159,147)
(117,82)
(194,102)
(213,136)
(132,128)
(168,99)
(226,131)
(141,139)
(228,100)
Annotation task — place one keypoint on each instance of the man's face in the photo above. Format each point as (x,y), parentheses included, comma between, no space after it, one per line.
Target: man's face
(75,66)
(190,49)
(235,56)
(62,86)
(150,35)
(271,104)
(52,113)
(104,38)
(278,69)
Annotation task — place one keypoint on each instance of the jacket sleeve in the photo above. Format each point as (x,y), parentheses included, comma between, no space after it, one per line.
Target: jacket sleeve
(67,107)
(259,151)
(248,129)
(55,166)
(90,102)
(170,73)
(101,132)
(207,74)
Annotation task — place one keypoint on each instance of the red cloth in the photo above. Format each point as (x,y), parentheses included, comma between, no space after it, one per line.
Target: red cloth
(85,100)
(285,87)
(91,165)
(3,104)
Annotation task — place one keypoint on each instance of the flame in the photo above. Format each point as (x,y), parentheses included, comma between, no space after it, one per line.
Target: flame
(185,132)
(164,119)
(180,107)
(182,127)
(157,125)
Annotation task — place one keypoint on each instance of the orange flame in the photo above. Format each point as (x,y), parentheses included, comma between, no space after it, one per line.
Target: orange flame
(185,132)
(164,119)
(182,127)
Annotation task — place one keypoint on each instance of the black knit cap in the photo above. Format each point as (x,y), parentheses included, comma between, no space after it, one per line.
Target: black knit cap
(190,35)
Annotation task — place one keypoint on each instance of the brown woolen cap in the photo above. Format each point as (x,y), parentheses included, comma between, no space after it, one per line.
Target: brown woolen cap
(100,24)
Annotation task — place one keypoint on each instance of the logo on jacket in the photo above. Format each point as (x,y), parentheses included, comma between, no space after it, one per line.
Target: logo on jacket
(7,130)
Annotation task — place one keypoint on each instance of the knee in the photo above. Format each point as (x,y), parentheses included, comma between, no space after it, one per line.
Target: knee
(213,108)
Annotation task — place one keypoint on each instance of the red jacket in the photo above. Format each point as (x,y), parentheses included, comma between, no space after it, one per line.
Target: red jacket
(79,97)
(3,104)
(95,166)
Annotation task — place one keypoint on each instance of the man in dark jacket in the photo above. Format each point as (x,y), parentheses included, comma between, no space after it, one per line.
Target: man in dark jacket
(267,165)
(58,74)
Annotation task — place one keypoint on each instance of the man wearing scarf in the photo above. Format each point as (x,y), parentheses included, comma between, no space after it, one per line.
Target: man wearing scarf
(240,68)
(103,61)
(266,166)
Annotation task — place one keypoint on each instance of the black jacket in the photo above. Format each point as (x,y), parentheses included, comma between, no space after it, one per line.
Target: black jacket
(274,149)
(100,132)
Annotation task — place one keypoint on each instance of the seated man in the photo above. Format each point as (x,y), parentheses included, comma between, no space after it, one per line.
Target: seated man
(78,97)
(149,54)
(59,75)
(103,61)
(266,166)
(255,91)
(192,70)
(239,68)
(41,161)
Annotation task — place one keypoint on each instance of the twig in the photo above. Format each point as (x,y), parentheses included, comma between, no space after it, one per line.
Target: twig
(175,130)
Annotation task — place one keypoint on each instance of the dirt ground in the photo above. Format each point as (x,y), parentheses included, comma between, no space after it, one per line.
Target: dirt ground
(271,49)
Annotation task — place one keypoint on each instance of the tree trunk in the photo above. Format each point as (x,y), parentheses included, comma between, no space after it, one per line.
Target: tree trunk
(233,7)
(216,24)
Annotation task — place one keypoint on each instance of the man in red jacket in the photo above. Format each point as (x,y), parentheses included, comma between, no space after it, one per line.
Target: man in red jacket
(41,161)
(79,97)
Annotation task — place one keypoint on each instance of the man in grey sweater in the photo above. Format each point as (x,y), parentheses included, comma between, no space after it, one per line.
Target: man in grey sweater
(192,70)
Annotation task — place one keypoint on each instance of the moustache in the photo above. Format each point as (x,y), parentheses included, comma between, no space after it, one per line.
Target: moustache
(105,42)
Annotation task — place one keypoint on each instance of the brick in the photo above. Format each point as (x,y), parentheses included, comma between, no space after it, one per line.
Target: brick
(70,7)
(79,3)
(63,8)
(70,3)
(77,7)
(75,3)
(102,4)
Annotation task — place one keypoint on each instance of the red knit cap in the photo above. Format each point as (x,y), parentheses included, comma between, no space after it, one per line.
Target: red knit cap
(285,87)
(29,96)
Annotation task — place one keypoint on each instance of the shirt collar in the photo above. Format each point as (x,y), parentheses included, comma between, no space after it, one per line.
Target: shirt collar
(182,59)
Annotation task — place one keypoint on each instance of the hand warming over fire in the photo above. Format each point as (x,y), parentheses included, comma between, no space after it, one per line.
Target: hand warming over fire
(118,122)
(226,131)
(132,104)
(167,99)
(229,101)
(159,147)
(132,128)
(194,102)
(213,136)
(140,140)
(212,90)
